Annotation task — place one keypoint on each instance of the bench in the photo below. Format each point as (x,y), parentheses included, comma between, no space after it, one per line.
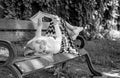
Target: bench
(20,66)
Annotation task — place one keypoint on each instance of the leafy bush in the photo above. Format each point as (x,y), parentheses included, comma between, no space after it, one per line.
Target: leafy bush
(91,14)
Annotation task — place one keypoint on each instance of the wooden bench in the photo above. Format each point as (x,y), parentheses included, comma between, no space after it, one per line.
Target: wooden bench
(18,65)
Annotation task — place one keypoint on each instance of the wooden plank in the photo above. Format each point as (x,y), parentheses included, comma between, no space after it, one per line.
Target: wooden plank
(27,65)
(16,30)
(15,24)
(19,24)
(10,24)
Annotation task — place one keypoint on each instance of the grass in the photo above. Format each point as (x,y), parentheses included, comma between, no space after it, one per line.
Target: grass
(105,55)
(104,52)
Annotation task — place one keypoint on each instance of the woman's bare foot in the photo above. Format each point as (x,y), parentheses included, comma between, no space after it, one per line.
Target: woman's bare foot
(76,31)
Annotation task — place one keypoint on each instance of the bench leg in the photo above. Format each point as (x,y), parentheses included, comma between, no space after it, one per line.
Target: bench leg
(90,66)
(7,53)
(9,72)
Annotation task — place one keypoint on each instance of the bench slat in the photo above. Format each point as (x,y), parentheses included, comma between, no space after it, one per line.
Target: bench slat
(27,65)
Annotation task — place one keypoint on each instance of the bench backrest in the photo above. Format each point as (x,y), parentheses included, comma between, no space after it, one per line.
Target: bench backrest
(16,30)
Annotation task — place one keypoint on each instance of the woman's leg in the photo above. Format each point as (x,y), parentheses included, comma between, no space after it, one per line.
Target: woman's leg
(73,30)
(58,32)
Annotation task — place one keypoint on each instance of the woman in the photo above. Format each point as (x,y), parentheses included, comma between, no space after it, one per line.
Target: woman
(44,45)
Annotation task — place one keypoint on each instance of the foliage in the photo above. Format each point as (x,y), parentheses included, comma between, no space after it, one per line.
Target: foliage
(91,14)
(75,11)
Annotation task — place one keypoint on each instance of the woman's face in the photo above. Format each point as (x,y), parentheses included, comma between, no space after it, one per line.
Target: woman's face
(41,45)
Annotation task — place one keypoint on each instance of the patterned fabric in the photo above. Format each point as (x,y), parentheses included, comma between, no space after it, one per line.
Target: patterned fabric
(51,30)
(67,42)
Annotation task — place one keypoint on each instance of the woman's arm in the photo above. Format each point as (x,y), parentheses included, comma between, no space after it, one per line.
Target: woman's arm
(39,28)
(38,32)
